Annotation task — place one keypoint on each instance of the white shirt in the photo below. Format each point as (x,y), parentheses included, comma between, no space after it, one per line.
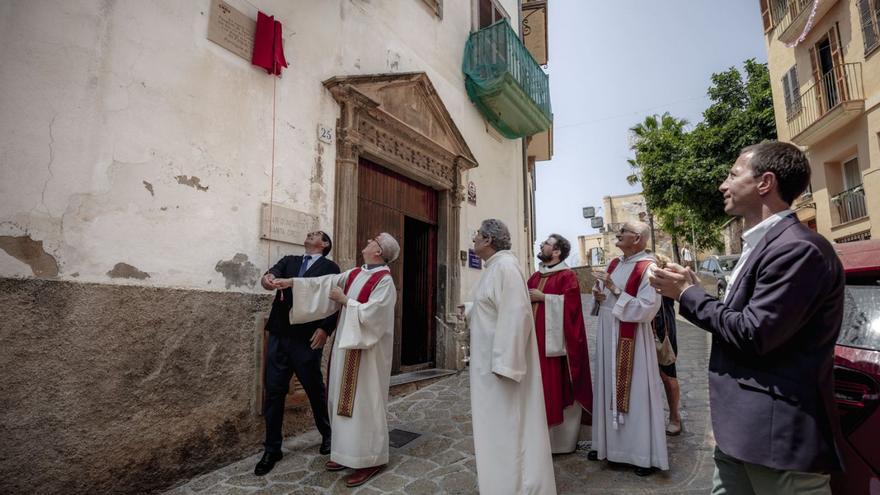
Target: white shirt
(751,238)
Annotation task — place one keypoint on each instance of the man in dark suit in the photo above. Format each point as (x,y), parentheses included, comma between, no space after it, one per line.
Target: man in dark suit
(773,335)
(295,348)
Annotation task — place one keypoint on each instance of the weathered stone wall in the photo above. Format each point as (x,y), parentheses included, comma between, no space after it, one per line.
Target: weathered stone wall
(125,389)
(585,277)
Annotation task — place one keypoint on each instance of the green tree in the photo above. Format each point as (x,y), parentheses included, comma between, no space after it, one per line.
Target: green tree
(680,169)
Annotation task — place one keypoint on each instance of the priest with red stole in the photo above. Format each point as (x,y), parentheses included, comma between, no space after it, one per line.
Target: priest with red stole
(562,344)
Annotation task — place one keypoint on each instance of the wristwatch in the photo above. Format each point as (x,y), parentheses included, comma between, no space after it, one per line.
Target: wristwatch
(616,291)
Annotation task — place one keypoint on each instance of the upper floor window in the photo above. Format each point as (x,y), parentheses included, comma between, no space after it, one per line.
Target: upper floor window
(791,91)
(488,13)
(869,12)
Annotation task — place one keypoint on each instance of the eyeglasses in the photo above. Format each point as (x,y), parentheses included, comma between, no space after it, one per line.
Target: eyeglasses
(373,239)
(622,231)
(316,233)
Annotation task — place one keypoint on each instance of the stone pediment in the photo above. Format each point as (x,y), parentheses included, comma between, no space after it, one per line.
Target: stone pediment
(411,99)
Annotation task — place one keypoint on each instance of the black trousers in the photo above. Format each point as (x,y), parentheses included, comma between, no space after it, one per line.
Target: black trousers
(286,356)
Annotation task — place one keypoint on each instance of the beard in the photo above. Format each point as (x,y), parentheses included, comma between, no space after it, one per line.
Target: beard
(545,257)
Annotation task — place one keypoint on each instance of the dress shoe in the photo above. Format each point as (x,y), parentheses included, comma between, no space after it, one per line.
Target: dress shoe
(643,471)
(267,462)
(333,466)
(593,455)
(325,446)
(361,476)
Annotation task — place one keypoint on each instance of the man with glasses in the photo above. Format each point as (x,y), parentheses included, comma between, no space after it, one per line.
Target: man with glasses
(511,444)
(360,364)
(562,344)
(295,348)
(628,419)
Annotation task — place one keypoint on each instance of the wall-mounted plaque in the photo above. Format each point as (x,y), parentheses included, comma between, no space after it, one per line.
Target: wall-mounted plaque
(287,225)
(472,193)
(231,29)
(474,261)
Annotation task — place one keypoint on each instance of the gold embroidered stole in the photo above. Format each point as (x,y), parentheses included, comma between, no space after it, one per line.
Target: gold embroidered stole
(352,364)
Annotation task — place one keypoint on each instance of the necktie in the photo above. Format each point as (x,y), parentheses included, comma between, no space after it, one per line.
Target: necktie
(304,266)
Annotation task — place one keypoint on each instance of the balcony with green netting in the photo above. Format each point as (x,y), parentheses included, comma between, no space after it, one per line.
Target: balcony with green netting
(505,83)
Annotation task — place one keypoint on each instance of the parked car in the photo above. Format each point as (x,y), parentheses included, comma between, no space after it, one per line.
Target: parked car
(714,273)
(857,370)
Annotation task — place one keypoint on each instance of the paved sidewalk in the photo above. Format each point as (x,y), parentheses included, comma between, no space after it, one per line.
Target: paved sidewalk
(441,459)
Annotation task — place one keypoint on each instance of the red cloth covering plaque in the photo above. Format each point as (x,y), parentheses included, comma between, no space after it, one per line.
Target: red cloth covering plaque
(268,49)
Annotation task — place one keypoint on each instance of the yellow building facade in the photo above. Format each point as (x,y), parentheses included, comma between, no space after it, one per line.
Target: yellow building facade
(824,62)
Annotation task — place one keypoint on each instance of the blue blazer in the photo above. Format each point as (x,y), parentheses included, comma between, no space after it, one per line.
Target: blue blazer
(770,370)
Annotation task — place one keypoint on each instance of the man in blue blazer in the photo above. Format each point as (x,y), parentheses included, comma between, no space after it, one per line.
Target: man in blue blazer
(295,348)
(773,334)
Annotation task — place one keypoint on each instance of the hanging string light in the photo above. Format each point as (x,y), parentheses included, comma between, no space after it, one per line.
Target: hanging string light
(807,27)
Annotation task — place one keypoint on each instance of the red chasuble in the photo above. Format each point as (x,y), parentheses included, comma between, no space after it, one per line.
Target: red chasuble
(566,378)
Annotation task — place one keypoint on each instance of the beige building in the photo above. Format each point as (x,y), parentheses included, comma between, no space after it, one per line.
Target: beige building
(824,60)
(598,249)
(150,174)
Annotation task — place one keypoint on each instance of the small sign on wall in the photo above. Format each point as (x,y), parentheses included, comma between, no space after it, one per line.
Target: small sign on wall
(287,225)
(474,261)
(472,193)
(325,134)
(231,29)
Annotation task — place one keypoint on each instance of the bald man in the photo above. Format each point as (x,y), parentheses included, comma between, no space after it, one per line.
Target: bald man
(628,418)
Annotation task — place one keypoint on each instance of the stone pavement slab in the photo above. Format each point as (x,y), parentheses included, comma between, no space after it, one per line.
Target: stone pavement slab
(441,459)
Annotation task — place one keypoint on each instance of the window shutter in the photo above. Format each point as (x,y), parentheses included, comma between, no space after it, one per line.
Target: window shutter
(839,68)
(765,15)
(869,28)
(786,92)
(817,79)
(795,89)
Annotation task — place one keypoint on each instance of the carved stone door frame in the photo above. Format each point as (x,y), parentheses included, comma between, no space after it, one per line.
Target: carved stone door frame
(425,146)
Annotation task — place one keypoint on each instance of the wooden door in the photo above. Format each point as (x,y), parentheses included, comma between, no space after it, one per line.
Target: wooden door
(406,209)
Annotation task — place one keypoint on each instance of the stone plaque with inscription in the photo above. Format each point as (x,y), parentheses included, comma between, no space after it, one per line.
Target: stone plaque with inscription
(287,225)
(231,29)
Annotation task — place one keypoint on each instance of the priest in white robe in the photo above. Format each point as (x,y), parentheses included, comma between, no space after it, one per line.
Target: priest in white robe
(628,418)
(360,363)
(511,441)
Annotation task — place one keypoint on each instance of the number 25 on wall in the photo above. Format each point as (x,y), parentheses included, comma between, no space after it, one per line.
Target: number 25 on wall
(325,134)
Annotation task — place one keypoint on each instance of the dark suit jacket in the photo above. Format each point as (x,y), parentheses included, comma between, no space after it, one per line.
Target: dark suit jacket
(279,317)
(770,371)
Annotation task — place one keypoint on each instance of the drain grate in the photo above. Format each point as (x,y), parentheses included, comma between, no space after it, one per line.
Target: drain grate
(399,438)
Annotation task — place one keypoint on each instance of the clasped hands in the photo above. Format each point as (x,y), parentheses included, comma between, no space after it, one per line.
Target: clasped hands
(602,276)
(672,280)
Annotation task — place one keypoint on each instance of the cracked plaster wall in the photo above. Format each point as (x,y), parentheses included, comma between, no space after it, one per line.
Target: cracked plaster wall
(127,137)
(135,152)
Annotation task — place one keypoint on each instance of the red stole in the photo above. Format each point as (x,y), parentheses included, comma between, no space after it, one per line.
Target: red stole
(565,378)
(348,383)
(626,336)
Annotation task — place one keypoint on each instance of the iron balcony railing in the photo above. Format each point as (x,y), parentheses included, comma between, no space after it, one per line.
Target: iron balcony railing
(495,54)
(840,84)
(850,204)
(784,12)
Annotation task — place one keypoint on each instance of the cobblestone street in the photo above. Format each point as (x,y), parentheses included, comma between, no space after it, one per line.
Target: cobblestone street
(441,459)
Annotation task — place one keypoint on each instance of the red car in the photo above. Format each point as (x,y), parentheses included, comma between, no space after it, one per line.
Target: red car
(857,370)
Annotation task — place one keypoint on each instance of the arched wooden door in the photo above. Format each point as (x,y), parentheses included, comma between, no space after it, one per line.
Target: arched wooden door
(390,202)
